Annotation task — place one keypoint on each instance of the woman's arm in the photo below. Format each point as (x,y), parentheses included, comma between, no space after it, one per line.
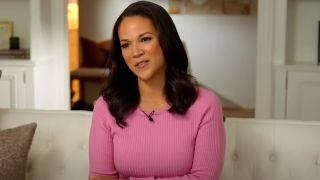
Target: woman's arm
(101,162)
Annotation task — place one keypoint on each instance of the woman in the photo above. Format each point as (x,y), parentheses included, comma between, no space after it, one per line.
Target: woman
(153,121)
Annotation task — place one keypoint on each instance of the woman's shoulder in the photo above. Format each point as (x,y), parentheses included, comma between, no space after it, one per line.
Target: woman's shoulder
(100,104)
(205,93)
(101,108)
(207,97)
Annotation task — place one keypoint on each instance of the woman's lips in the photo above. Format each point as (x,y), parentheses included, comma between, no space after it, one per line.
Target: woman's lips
(142,64)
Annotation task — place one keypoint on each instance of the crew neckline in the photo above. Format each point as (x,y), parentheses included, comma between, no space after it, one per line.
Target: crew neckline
(165,108)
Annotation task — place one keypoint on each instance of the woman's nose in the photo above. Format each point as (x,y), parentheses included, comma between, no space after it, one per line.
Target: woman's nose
(136,50)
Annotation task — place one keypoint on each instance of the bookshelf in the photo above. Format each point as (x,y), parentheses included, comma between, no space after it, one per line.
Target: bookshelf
(295,61)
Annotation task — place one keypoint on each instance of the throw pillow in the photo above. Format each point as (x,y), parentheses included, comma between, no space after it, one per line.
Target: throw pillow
(14,148)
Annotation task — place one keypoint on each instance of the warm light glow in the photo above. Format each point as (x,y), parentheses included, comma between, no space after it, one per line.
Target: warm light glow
(73,15)
(73,22)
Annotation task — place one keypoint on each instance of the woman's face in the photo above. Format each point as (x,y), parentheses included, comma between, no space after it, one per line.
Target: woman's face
(141,49)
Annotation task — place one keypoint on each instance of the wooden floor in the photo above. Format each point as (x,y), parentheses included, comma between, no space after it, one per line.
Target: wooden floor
(238,112)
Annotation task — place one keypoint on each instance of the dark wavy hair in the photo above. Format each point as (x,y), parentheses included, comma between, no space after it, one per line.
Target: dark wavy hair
(121,87)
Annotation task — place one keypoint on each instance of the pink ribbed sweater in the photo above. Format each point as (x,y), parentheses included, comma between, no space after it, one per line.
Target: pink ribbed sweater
(173,147)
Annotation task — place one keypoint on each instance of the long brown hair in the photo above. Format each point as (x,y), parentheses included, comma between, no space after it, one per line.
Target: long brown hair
(121,88)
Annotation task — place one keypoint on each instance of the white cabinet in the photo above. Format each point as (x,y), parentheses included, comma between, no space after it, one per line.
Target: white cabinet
(303,96)
(12,87)
(16,84)
(287,71)
(297,92)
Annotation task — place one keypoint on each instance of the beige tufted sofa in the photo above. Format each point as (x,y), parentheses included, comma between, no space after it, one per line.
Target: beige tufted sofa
(60,146)
(256,149)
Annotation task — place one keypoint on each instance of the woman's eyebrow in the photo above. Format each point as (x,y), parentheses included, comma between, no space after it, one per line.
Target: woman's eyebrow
(145,34)
(140,35)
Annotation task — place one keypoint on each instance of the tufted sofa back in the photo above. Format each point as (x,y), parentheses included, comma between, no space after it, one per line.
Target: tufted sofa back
(60,146)
(256,149)
(272,150)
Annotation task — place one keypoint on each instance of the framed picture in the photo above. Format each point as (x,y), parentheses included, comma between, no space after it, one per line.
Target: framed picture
(6,30)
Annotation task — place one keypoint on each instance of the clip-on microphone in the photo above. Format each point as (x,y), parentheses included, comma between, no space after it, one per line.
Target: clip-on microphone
(149,116)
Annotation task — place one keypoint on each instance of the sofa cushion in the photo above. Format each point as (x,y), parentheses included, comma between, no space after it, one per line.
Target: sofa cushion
(15,144)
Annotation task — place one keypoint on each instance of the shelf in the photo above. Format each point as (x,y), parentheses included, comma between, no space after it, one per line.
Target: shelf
(15,54)
(298,67)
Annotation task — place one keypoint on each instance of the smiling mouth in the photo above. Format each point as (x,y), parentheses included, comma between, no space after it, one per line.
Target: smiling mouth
(141,64)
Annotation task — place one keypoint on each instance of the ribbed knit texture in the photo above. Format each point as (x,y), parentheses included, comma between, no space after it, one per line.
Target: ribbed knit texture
(173,147)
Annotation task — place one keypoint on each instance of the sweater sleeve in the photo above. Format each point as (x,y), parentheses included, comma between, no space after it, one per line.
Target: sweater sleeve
(209,148)
(100,142)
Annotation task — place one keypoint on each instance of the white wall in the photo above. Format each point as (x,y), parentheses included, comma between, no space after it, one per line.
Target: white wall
(97,17)
(20,16)
(222,49)
(222,54)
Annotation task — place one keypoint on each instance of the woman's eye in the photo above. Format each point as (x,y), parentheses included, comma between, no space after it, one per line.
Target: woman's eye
(146,39)
(124,45)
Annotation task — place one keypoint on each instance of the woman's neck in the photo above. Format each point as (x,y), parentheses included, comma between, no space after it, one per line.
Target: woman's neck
(152,95)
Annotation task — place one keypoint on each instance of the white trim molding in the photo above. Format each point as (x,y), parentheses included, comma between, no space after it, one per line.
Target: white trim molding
(264,59)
